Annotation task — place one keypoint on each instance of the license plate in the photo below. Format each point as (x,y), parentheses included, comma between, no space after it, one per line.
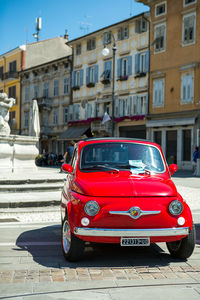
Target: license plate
(135,241)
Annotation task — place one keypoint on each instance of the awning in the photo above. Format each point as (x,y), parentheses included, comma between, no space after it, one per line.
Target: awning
(74,132)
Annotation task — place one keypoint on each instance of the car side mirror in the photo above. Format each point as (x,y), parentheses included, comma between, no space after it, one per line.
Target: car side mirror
(67,168)
(173,168)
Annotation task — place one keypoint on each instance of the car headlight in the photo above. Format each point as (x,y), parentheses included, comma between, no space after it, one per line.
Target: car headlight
(176,207)
(91,208)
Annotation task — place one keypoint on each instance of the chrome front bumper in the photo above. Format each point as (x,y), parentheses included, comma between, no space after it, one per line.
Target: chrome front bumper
(131,232)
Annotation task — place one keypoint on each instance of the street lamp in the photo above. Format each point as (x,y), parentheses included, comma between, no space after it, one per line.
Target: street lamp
(106,52)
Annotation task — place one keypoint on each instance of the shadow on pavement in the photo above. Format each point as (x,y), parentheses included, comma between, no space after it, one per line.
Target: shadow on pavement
(49,254)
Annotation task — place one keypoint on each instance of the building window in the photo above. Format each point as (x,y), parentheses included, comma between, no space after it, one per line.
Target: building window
(187,88)
(13,66)
(78,49)
(12,92)
(36,91)
(189,2)
(26,119)
(12,118)
(124,67)
(46,90)
(66,85)
(56,87)
(65,115)
(186,140)
(160,9)
(91,44)
(158,92)
(107,38)
(159,37)
(91,76)
(55,116)
(77,79)
(189,26)
(142,63)
(27,93)
(1,73)
(107,72)
(123,33)
(140,26)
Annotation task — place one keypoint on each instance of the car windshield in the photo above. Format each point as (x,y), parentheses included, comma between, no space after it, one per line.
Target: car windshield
(109,156)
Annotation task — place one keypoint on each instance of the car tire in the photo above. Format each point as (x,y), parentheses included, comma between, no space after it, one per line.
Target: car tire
(72,246)
(183,248)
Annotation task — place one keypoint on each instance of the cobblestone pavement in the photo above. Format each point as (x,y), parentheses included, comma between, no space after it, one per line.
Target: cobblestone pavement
(68,274)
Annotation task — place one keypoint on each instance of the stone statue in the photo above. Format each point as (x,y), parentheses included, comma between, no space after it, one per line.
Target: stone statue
(5,104)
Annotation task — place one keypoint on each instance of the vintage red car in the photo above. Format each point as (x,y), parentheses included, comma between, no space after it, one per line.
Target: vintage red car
(119,190)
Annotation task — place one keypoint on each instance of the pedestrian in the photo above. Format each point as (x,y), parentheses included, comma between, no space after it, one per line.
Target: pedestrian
(68,155)
(196,155)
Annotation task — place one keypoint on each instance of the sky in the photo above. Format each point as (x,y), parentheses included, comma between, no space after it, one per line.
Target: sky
(78,17)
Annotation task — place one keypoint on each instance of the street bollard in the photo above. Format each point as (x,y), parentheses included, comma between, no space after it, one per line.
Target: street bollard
(198,167)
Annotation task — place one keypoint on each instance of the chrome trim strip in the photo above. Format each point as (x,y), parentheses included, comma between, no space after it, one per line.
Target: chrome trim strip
(142,213)
(131,232)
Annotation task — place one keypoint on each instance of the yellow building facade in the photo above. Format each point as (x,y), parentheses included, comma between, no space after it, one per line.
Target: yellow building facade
(174,118)
(11,63)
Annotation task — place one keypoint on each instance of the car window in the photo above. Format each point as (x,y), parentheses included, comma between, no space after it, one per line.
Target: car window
(122,156)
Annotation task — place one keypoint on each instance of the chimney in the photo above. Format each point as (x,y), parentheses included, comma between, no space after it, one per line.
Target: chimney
(66,36)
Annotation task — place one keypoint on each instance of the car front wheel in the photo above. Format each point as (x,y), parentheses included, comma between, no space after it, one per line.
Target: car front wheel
(72,246)
(183,248)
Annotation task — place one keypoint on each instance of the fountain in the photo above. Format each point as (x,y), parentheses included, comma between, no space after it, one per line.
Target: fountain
(17,152)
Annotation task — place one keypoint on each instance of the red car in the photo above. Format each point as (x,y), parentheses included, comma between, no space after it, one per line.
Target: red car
(119,190)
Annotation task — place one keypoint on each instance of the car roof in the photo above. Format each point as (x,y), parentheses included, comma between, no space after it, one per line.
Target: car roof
(114,138)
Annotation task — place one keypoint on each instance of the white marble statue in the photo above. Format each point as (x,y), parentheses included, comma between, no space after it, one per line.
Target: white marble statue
(5,104)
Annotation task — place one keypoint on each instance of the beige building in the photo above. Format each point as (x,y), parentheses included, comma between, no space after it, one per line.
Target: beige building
(174,110)
(46,78)
(92,78)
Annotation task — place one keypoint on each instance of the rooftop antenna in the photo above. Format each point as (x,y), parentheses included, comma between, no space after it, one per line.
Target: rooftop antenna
(85,26)
(38,27)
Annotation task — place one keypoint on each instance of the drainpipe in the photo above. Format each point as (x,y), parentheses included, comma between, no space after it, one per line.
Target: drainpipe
(149,48)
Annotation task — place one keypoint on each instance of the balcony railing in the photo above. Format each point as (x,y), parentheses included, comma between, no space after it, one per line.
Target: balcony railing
(44,102)
(9,75)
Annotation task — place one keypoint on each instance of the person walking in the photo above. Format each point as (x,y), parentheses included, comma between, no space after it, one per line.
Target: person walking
(196,155)
(68,155)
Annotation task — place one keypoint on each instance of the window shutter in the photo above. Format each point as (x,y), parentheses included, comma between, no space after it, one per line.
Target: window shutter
(134,105)
(81,77)
(137,26)
(129,65)
(147,57)
(87,75)
(137,63)
(96,73)
(73,78)
(139,107)
(121,107)
(119,34)
(119,67)
(116,107)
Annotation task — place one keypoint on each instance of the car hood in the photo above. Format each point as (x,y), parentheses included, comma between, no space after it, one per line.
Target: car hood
(125,185)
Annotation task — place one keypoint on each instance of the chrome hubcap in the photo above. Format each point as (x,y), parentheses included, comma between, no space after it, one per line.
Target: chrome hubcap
(66,237)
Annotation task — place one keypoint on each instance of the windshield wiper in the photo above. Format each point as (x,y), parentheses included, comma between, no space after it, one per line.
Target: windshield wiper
(97,167)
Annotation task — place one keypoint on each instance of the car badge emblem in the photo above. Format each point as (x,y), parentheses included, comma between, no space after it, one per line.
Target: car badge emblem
(135,212)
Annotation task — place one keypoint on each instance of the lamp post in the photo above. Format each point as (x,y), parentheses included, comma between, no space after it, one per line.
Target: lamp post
(106,52)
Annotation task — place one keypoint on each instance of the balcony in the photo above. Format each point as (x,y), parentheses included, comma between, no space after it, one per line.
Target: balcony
(44,103)
(9,75)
